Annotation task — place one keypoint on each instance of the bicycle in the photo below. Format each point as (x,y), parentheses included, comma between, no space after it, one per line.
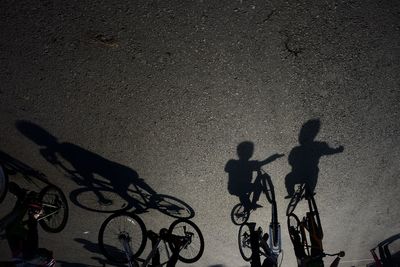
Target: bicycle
(139,198)
(101,196)
(51,203)
(240,214)
(123,236)
(308,248)
(252,244)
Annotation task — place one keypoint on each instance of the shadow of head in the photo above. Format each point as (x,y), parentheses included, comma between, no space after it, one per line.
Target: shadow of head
(245,150)
(36,133)
(309,131)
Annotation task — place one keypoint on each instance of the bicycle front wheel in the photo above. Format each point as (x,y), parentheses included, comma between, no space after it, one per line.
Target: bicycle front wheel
(3,184)
(55,207)
(239,215)
(193,247)
(244,242)
(116,229)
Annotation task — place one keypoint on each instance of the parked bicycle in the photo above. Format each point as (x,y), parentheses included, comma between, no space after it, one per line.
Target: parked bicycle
(11,166)
(123,237)
(48,208)
(307,234)
(53,204)
(386,258)
(253,244)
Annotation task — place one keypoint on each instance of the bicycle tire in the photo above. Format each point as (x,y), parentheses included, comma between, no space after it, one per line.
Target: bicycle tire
(270,194)
(171,206)
(239,215)
(275,225)
(244,242)
(3,183)
(180,227)
(297,196)
(86,199)
(313,208)
(55,197)
(115,225)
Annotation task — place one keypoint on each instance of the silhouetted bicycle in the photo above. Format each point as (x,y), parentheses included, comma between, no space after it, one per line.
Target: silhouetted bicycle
(253,243)
(86,198)
(240,214)
(51,203)
(123,237)
(307,234)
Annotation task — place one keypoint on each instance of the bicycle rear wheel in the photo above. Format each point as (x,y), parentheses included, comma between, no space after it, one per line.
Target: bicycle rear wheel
(193,247)
(239,215)
(3,183)
(244,242)
(55,207)
(117,226)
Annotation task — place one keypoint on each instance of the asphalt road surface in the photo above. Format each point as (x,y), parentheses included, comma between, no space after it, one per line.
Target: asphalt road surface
(166,90)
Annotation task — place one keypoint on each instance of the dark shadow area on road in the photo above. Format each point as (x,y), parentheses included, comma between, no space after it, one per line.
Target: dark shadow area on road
(93,248)
(304,159)
(13,166)
(240,177)
(104,185)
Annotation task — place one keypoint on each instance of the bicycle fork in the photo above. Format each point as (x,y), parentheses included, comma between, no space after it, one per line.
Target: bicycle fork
(128,251)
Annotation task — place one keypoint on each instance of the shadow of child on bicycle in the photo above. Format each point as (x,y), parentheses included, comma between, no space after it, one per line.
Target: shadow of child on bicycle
(304,159)
(240,175)
(85,165)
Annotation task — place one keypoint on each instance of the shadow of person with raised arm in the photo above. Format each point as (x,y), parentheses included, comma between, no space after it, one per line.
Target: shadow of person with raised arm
(85,165)
(304,159)
(240,175)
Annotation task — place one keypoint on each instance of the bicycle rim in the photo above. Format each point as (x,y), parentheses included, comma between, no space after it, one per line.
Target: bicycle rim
(55,207)
(239,215)
(113,227)
(194,248)
(244,242)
